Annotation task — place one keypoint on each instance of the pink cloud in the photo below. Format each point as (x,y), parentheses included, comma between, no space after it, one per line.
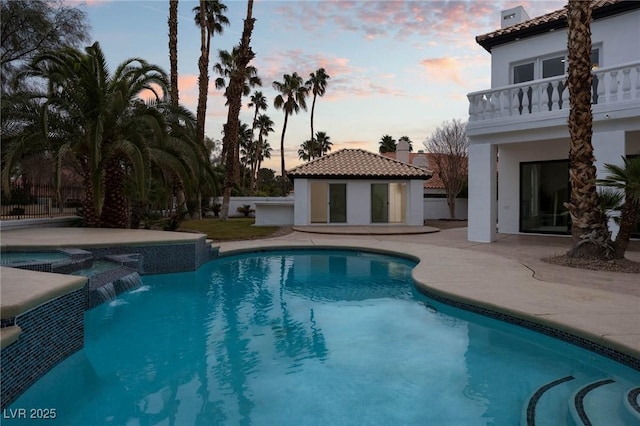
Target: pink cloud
(441,21)
(442,69)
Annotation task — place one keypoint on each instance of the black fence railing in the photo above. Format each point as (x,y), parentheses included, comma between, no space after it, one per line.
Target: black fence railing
(27,200)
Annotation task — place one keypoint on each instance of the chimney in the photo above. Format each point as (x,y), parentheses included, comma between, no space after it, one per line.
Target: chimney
(513,16)
(402,151)
(421,160)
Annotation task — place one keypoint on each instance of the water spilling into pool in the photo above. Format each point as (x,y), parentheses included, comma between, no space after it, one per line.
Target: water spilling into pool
(304,337)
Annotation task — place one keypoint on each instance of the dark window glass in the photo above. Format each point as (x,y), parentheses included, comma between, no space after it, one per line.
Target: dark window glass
(522,73)
(544,188)
(553,67)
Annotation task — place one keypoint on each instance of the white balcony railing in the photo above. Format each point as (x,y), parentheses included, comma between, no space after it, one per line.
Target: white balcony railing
(610,85)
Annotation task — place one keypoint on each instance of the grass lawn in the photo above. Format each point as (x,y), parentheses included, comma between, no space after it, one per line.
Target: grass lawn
(232,229)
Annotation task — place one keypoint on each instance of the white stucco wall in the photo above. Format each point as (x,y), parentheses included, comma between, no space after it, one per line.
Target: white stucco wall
(437,208)
(615,36)
(358,201)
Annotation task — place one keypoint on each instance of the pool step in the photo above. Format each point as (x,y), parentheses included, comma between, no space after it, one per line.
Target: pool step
(565,400)
(548,404)
(631,402)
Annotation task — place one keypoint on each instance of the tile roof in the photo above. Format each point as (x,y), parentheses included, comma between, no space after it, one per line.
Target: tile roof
(358,163)
(551,21)
(435,182)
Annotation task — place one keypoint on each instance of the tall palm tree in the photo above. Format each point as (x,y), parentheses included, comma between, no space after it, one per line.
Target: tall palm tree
(258,103)
(292,98)
(235,90)
(591,238)
(177,184)
(387,144)
(263,150)
(210,18)
(317,83)
(323,143)
(246,148)
(627,179)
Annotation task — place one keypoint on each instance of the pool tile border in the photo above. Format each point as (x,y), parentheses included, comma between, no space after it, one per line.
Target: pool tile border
(50,333)
(582,342)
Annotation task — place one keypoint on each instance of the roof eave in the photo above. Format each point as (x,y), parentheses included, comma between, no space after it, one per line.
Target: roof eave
(560,23)
(372,177)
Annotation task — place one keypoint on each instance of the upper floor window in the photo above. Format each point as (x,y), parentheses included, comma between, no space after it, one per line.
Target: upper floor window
(553,66)
(545,67)
(522,73)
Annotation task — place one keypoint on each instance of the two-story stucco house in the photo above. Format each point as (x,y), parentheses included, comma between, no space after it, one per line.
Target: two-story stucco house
(519,138)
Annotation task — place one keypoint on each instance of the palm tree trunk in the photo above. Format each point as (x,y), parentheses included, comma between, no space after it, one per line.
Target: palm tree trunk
(628,218)
(591,238)
(313,142)
(114,211)
(173,50)
(90,216)
(282,170)
(203,77)
(235,89)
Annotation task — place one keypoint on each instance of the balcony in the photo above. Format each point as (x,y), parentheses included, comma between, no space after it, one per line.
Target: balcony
(613,88)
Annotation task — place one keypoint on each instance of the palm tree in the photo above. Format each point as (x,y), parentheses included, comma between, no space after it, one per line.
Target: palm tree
(627,179)
(591,238)
(292,98)
(226,66)
(323,143)
(242,55)
(259,103)
(317,83)
(247,148)
(263,150)
(306,151)
(98,120)
(387,144)
(210,18)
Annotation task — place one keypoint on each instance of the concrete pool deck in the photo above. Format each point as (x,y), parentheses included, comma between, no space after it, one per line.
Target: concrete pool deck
(506,276)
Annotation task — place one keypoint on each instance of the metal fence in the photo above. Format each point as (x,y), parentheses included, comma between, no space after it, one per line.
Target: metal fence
(27,200)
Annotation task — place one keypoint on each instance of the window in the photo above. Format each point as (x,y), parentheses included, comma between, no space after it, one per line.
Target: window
(553,67)
(545,67)
(522,73)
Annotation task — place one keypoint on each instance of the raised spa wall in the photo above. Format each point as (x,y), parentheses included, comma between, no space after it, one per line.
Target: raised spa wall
(42,315)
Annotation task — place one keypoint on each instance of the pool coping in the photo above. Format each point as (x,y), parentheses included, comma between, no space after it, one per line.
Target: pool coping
(35,289)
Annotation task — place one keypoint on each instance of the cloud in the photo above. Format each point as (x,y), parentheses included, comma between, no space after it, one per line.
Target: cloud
(442,69)
(432,21)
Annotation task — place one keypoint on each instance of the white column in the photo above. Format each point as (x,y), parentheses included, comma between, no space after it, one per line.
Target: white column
(482,193)
(608,148)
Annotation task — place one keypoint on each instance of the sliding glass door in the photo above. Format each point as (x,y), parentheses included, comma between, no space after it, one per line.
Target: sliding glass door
(544,188)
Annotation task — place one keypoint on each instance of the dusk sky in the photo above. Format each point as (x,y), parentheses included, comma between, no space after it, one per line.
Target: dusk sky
(396,67)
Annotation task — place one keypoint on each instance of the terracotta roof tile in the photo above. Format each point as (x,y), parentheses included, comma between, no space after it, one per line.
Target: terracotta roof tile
(553,20)
(358,163)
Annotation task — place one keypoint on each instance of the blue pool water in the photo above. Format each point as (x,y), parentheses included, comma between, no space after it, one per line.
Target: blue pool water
(302,337)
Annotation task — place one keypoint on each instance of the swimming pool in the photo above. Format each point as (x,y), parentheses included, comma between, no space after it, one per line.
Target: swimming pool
(306,337)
